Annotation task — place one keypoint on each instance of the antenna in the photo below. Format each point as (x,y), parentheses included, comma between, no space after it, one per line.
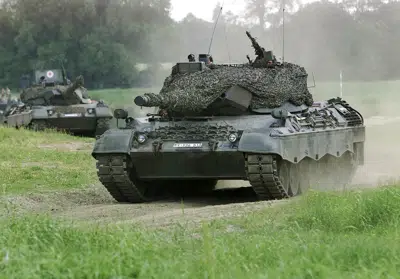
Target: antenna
(64,73)
(341,84)
(227,45)
(215,26)
(313,80)
(283,31)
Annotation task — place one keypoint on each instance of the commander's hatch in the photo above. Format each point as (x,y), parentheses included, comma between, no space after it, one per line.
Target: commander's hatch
(206,58)
(188,67)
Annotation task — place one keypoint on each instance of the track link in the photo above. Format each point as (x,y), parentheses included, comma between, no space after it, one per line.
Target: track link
(262,173)
(114,174)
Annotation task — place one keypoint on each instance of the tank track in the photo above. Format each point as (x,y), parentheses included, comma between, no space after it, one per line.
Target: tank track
(262,173)
(113,173)
(270,182)
(38,125)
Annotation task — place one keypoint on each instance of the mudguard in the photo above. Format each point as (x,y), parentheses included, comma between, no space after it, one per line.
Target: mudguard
(20,119)
(297,146)
(103,112)
(113,141)
(40,113)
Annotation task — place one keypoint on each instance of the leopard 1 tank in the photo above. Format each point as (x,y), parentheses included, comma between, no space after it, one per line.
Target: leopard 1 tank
(255,121)
(55,102)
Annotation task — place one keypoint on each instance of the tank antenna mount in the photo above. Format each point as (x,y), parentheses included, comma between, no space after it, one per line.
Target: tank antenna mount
(215,26)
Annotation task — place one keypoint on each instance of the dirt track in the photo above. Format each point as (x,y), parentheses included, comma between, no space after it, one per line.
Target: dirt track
(94,203)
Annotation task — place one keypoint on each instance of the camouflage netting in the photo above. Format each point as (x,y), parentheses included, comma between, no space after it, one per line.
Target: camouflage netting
(270,82)
(271,87)
(41,94)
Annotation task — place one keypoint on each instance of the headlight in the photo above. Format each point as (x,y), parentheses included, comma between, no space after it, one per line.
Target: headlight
(141,138)
(90,111)
(50,112)
(232,138)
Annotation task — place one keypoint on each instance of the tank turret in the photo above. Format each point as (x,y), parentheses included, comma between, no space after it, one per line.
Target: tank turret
(75,93)
(193,86)
(51,83)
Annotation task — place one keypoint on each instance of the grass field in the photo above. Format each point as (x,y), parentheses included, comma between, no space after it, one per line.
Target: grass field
(42,161)
(320,235)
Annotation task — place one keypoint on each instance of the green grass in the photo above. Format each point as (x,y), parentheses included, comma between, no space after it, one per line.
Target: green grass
(37,161)
(118,97)
(124,98)
(352,235)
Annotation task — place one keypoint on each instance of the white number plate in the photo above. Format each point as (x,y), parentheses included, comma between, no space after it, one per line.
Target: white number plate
(188,145)
(72,114)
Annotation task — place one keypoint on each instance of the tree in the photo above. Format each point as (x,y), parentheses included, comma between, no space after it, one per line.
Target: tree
(268,11)
(216,11)
(257,9)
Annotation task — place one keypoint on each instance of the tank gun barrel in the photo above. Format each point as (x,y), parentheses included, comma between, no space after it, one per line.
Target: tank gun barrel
(151,100)
(77,83)
(258,49)
(142,101)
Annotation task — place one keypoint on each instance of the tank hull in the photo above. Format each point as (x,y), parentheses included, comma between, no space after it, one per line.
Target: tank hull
(280,158)
(190,164)
(85,119)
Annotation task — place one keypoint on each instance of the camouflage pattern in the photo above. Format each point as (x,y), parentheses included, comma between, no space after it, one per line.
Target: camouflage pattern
(69,109)
(270,82)
(31,94)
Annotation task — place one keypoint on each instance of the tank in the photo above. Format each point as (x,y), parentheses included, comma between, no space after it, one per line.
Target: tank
(255,121)
(52,101)
(4,107)
(7,103)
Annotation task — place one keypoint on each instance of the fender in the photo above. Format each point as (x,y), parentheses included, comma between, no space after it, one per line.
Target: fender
(40,113)
(103,112)
(295,147)
(259,142)
(113,141)
(20,119)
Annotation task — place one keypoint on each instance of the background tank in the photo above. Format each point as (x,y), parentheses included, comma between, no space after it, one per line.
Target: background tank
(52,101)
(256,122)
(7,102)
(4,107)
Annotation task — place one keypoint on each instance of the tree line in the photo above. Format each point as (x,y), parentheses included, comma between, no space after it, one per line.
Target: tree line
(103,40)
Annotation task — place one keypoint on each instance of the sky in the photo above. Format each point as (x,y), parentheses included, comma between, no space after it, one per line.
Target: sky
(203,8)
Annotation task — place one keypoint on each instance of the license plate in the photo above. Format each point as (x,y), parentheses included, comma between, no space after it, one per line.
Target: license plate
(72,114)
(188,145)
